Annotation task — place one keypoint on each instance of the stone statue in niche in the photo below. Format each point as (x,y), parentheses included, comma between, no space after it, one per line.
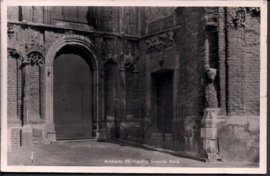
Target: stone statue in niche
(210,91)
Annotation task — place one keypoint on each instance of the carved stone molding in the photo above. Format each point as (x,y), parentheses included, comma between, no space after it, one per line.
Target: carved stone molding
(125,61)
(14,54)
(97,66)
(128,61)
(10,31)
(34,47)
(35,58)
(161,41)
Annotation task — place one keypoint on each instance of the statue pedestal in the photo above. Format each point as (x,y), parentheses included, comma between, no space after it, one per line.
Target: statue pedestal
(209,132)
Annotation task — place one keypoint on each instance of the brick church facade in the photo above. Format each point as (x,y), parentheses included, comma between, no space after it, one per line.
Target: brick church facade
(181,78)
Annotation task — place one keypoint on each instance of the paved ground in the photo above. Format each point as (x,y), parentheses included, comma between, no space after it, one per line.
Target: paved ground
(92,153)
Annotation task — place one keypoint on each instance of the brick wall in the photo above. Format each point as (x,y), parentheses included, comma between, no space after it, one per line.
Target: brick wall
(34,80)
(15,138)
(129,91)
(161,24)
(14,88)
(190,48)
(239,53)
(13,13)
(243,61)
(190,76)
(37,135)
(156,13)
(142,72)
(109,21)
(110,92)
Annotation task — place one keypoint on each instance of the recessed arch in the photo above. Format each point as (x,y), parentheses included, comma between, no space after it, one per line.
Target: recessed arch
(97,66)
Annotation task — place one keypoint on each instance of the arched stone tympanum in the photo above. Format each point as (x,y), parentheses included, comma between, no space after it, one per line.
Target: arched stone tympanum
(97,66)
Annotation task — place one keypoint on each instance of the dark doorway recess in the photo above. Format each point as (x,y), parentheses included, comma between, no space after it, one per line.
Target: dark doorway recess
(163,99)
(72,93)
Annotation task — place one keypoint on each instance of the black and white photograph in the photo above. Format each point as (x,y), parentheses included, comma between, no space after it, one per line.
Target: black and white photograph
(134,87)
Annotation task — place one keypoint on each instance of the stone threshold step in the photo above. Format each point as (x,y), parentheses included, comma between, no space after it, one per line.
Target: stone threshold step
(179,154)
(73,140)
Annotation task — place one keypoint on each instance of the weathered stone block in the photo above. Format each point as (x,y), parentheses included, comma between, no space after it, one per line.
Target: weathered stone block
(14,134)
(254,123)
(27,135)
(210,146)
(209,133)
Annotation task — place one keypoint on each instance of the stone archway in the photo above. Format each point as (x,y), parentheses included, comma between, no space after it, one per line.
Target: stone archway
(98,103)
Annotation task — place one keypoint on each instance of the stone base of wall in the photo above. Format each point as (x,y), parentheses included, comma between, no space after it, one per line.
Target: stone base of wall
(130,131)
(110,130)
(24,135)
(27,135)
(238,139)
(37,133)
(14,137)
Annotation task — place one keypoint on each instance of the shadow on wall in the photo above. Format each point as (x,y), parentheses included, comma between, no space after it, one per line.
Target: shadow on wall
(239,139)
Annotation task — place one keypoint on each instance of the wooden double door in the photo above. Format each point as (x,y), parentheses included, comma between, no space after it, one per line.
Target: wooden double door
(72,93)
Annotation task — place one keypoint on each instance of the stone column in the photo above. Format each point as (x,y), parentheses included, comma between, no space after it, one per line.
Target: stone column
(101,123)
(49,131)
(27,134)
(136,108)
(148,84)
(123,94)
(135,89)
(175,87)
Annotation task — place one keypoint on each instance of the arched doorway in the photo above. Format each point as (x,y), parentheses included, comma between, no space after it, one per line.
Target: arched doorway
(72,94)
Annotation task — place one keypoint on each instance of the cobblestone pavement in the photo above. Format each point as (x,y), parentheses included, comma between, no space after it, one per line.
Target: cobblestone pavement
(92,153)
